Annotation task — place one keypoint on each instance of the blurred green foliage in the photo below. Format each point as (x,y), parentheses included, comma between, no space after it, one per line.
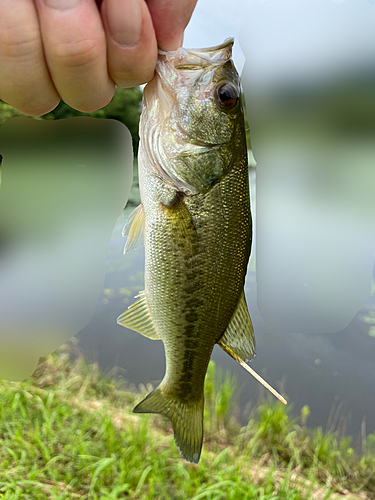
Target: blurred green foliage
(7,112)
(124,107)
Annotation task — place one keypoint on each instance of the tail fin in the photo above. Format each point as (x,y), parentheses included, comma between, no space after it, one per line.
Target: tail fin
(186,419)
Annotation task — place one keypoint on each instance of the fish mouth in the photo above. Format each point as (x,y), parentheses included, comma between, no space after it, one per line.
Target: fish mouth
(191,63)
(176,68)
(228,42)
(198,58)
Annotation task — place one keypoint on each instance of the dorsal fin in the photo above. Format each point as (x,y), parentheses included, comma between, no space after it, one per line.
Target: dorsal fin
(239,335)
(137,317)
(134,229)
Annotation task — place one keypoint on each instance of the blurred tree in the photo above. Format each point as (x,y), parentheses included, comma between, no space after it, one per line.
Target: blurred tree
(7,111)
(125,107)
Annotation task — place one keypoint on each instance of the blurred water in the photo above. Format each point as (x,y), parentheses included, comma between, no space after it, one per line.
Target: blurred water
(332,373)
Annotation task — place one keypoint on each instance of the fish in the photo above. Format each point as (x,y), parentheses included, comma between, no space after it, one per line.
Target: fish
(195,222)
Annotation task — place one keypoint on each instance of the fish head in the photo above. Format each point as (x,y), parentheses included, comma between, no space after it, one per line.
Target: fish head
(192,125)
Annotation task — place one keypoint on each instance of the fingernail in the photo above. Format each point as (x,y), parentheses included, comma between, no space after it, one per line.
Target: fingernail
(125,24)
(61,4)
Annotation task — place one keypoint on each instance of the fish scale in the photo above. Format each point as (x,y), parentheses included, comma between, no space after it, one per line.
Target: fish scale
(196,220)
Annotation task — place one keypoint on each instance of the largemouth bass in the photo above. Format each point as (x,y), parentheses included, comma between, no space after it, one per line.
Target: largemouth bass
(196,221)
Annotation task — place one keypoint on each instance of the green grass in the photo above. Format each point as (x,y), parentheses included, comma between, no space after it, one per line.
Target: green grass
(68,433)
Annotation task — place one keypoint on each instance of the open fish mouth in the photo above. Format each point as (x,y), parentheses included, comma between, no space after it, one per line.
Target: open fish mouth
(184,86)
(184,66)
(198,58)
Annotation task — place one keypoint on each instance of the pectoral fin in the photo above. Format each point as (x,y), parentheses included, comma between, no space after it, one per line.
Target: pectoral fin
(181,229)
(134,229)
(239,335)
(137,317)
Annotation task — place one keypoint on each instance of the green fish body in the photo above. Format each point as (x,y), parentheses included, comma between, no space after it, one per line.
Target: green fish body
(196,220)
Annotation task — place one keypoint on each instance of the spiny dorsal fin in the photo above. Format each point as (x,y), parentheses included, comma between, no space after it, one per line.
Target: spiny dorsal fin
(186,418)
(239,335)
(137,317)
(134,229)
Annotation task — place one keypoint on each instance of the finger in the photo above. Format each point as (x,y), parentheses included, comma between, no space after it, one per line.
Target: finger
(75,50)
(132,49)
(25,82)
(170,18)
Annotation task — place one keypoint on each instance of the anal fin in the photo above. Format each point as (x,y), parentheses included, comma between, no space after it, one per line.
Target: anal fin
(238,341)
(239,335)
(137,317)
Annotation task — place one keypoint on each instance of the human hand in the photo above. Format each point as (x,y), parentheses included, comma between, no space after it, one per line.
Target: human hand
(78,50)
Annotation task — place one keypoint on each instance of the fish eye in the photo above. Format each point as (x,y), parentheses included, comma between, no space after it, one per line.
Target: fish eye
(227,95)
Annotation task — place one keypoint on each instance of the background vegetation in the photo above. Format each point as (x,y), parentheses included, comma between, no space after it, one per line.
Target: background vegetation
(125,107)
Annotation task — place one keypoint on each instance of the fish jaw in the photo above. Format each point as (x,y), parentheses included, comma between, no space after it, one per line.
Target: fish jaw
(187,140)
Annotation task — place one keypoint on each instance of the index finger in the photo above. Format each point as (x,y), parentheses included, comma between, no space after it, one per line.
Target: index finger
(170,18)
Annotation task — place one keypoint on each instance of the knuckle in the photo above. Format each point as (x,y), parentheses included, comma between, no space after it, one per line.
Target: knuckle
(132,77)
(31,108)
(38,108)
(90,107)
(20,45)
(44,108)
(76,54)
(92,102)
